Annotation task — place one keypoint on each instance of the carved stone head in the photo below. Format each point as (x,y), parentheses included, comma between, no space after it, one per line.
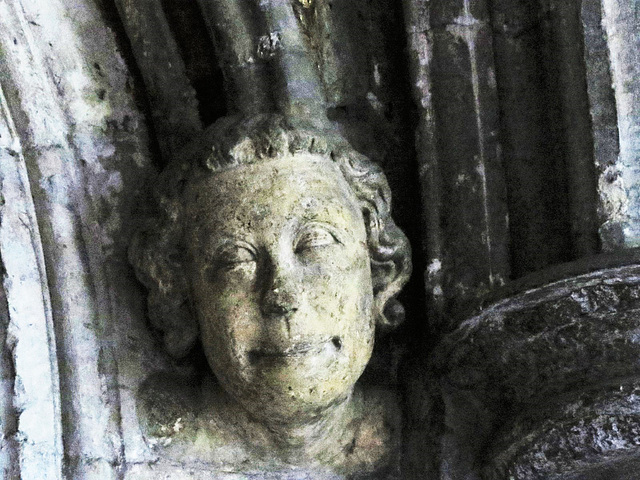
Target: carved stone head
(275,247)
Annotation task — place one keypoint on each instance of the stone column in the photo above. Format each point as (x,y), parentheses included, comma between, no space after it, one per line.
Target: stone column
(74,156)
(454,86)
(30,396)
(174,109)
(612,202)
(621,20)
(541,381)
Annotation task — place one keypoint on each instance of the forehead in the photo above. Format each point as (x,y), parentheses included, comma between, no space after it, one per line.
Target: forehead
(281,189)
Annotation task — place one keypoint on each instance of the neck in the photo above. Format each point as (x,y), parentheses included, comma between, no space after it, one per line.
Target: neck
(309,436)
(297,438)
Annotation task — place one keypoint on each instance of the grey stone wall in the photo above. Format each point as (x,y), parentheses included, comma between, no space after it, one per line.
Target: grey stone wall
(74,160)
(543,82)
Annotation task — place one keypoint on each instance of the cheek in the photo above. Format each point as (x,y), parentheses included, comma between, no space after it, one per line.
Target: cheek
(227,321)
(343,296)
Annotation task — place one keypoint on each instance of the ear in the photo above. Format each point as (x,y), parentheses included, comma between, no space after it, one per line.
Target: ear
(180,339)
(159,267)
(390,269)
(172,316)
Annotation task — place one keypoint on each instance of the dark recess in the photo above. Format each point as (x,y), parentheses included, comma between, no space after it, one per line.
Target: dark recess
(198,53)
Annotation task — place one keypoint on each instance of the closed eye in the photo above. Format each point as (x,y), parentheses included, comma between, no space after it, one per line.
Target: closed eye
(232,256)
(313,237)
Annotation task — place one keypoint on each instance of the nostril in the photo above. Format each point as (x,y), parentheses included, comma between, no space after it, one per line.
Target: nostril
(278,302)
(276,310)
(337,342)
(253,356)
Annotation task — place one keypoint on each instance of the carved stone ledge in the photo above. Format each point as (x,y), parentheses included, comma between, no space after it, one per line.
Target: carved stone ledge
(547,381)
(595,429)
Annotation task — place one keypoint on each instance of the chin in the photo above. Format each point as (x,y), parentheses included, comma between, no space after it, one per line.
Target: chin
(294,387)
(296,400)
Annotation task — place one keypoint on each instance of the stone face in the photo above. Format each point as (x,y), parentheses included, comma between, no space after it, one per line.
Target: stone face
(286,269)
(281,284)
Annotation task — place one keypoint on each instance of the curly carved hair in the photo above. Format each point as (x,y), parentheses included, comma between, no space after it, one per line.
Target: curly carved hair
(157,253)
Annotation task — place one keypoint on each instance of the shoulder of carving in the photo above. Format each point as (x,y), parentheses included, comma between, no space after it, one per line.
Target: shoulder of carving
(167,407)
(376,428)
(185,425)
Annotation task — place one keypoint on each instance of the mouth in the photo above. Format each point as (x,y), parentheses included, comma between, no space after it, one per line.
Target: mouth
(297,350)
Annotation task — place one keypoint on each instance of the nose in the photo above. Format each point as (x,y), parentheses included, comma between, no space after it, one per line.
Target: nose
(278,303)
(280,293)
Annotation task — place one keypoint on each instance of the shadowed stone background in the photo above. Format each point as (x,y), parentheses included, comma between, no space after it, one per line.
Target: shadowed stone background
(510,134)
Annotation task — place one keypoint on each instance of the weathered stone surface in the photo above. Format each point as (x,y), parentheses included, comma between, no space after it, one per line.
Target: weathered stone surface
(237,34)
(475,256)
(567,335)
(558,110)
(466,233)
(598,430)
(554,371)
(577,137)
(31,423)
(530,132)
(172,99)
(78,154)
(602,109)
(621,22)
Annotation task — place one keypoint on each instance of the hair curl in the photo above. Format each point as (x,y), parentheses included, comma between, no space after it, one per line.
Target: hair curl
(156,252)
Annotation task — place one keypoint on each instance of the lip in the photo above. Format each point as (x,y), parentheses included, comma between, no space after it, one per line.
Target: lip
(297,350)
